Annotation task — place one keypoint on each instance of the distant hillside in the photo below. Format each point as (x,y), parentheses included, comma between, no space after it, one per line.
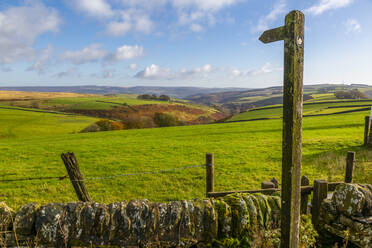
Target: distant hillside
(238,101)
(177,92)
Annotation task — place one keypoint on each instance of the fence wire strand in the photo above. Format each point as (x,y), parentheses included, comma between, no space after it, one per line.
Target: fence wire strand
(142,173)
(106,177)
(32,179)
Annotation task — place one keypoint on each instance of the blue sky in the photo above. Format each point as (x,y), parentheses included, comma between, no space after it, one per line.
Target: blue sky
(207,43)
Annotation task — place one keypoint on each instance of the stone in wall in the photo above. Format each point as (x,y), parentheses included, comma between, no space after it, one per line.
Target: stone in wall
(141,223)
(348,215)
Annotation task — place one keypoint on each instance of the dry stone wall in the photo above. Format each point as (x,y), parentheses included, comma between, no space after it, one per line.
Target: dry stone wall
(252,219)
(140,223)
(347,216)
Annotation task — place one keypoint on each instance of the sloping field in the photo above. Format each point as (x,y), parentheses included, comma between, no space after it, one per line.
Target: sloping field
(19,123)
(116,106)
(316,108)
(246,153)
(76,101)
(9,95)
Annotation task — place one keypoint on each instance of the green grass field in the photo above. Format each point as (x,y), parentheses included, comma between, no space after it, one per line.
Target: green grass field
(90,102)
(246,154)
(19,123)
(309,109)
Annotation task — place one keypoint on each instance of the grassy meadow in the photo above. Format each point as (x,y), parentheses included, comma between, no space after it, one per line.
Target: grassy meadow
(333,107)
(246,153)
(21,123)
(79,102)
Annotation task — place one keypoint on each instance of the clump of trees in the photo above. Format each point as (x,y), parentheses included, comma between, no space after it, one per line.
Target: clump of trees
(104,125)
(154,97)
(134,121)
(350,94)
(165,120)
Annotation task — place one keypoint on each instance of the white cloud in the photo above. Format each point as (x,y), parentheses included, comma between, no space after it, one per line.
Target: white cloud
(203,69)
(352,26)
(265,21)
(196,28)
(43,60)
(92,53)
(130,20)
(206,5)
(108,73)
(118,28)
(126,52)
(265,69)
(144,4)
(133,66)
(324,5)
(72,72)
(156,72)
(94,8)
(20,26)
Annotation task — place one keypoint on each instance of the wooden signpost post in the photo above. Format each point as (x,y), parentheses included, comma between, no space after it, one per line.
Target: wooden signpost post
(293,35)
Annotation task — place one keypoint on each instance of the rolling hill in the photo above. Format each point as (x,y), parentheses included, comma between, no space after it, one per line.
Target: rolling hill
(246,153)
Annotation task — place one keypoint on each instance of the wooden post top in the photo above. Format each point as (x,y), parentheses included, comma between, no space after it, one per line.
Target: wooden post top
(277,34)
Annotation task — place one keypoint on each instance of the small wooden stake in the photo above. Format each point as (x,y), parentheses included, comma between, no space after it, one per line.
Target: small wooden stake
(209,172)
(76,176)
(304,196)
(319,194)
(366,129)
(293,34)
(349,167)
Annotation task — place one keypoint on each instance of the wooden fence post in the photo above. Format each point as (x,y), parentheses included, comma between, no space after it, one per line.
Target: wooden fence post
(209,172)
(304,196)
(349,167)
(76,176)
(293,35)
(366,129)
(319,194)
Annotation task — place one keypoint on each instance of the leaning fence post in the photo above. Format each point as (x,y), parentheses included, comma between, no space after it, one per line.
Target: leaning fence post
(305,195)
(319,194)
(350,159)
(76,176)
(366,129)
(209,165)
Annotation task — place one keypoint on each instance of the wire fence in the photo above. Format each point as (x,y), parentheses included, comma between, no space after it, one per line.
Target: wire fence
(103,177)
(143,173)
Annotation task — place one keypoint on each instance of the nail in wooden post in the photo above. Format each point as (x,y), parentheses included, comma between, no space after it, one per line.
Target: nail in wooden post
(210,172)
(319,194)
(293,35)
(349,167)
(76,176)
(304,196)
(366,129)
